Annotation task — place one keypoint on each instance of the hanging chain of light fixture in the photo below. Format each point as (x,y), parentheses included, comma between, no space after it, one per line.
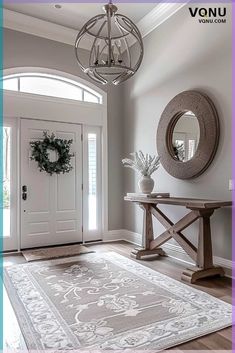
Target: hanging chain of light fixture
(110,56)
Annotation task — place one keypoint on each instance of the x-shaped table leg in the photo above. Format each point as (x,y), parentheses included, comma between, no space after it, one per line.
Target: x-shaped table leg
(202,255)
(174,231)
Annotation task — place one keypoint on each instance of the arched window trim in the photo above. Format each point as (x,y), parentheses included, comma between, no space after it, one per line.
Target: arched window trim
(14,108)
(59,76)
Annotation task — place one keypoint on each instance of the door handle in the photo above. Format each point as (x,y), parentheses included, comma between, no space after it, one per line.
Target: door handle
(24,192)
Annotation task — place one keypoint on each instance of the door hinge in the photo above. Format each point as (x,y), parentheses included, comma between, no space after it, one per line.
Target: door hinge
(82,229)
(81,137)
(82,186)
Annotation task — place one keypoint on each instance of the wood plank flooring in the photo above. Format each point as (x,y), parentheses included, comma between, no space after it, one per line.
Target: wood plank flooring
(218,287)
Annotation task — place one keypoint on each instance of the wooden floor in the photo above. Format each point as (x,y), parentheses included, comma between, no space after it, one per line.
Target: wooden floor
(218,287)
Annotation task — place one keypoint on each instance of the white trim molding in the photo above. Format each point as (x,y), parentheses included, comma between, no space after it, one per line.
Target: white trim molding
(114,235)
(37,27)
(157,16)
(45,29)
(172,250)
(64,76)
(31,106)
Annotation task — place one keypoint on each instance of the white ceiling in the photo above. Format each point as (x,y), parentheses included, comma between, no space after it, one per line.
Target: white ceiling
(74,15)
(62,25)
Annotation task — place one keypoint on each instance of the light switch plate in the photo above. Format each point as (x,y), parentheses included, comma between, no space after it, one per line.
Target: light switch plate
(231,185)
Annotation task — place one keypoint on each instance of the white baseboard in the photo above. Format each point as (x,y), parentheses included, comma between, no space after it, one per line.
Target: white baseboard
(172,250)
(114,235)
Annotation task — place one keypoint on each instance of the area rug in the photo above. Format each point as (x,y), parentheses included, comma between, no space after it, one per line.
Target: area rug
(54,252)
(108,302)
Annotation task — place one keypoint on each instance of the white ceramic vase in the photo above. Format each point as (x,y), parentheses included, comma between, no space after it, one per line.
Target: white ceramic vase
(146,184)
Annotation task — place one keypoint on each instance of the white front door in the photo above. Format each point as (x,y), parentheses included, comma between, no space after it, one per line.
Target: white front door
(52,211)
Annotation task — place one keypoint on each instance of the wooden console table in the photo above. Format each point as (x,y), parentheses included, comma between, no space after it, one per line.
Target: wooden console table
(199,209)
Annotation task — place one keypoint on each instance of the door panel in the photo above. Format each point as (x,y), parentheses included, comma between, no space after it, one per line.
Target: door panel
(52,212)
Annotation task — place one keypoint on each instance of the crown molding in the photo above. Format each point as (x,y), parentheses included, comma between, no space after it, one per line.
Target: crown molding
(34,26)
(157,16)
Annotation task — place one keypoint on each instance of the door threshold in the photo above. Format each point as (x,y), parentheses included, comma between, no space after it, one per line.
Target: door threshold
(11,252)
(15,252)
(52,246)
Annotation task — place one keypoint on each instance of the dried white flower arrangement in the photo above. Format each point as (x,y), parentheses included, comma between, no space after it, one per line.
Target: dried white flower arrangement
(145,165)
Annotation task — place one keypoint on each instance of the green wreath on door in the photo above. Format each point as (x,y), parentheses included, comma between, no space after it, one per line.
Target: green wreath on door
(40,154)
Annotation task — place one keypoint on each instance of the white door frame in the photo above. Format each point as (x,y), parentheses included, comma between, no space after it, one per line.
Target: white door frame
(31,106)
(12,242)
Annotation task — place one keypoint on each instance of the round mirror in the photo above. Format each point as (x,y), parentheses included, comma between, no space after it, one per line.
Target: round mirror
(185,137)
(188,135)
(52,155)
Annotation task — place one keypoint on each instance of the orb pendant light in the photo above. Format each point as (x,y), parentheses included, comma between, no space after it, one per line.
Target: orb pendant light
(115,47)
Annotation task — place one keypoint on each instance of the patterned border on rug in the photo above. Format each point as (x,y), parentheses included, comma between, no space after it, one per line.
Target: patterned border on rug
(150,336)
(180,287)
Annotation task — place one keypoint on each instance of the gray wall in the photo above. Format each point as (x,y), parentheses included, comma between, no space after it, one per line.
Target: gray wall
(22,49)
(180,55)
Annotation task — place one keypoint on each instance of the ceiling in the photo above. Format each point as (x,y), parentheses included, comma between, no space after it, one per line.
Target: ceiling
(74,15)
(62,24)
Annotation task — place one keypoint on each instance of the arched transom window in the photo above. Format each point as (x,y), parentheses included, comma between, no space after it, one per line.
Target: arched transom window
(50,85)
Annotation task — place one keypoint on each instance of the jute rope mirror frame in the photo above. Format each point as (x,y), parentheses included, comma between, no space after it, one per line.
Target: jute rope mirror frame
(205,111)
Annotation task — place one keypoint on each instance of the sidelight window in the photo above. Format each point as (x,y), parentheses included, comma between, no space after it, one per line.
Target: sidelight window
(92,182)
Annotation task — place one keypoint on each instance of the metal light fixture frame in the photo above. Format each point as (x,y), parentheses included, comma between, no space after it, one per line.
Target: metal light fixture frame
(121,68)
